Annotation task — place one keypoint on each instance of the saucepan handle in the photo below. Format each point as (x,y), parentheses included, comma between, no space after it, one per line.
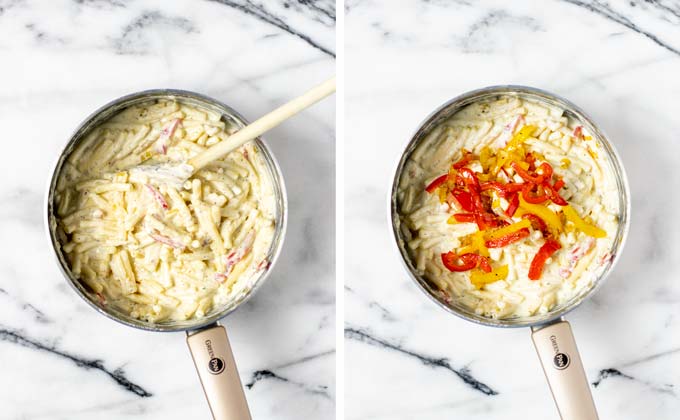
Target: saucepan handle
(563,369)
(216,368)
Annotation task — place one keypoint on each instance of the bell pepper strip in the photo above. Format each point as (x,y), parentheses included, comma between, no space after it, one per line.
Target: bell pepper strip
(548,216)
(513,150)
(546,251)
(486,158)
(432,186)
(520,137)
(468,261)
(554,196)
(536,222)
(546,171)
(482,218)
(503,190)
(484,264)
(514,204)
(504,231)
(531,198)
(479,279)
(477,245)
(508,239)
(461,218)
(558,185)
(467,158)
(464,198)
(581,224)
(470,179)
(528,177)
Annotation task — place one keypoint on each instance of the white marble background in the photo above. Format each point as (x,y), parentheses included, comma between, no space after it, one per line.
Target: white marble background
(620,61)
(60,60)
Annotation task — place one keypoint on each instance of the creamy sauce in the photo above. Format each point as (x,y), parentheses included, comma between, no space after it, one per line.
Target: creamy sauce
(590,188)
(157,251)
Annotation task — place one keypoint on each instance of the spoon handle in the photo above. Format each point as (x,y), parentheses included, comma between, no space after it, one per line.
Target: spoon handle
(263,124)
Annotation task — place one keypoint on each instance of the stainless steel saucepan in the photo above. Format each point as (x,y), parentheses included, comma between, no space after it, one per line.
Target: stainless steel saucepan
(551,333)
(207,340)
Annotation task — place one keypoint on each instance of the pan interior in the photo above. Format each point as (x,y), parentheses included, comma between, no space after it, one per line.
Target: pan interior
(229,116)
(573,112)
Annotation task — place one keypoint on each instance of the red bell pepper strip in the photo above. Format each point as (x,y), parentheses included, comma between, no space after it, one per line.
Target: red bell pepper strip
(530,159)
(537,178)
(525,175)
(469,261)
(547,171)
(467,157)
(436,183)
(533,199)
(507,239)
(464,199)
(503,190)
(472,184)
(558,185)
(464,217)
(548,249)
(536,222)
(470,179)
(514,204)
(484,263)
(450,261)
(554,196)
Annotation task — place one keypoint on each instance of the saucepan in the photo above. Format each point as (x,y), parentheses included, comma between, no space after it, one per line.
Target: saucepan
(207,340)
(550,332)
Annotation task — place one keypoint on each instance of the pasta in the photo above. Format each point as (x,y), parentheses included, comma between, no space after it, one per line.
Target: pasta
(162,252)
(503,152)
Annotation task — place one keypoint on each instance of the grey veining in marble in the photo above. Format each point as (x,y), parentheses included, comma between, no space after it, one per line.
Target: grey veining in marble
(59,61)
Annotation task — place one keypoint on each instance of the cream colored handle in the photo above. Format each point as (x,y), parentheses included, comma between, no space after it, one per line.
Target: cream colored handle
(263,124)
(562,365)
(216,368)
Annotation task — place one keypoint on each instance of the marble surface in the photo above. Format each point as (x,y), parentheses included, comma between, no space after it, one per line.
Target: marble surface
(60,60)
(408,359)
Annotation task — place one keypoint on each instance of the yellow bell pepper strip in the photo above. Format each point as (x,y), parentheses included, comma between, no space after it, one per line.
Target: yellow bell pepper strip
(548,216)
(507,239)
(506,230)
(581,224)
(513,150)
(479,278)
(522,135)
(477,244)
(486,158)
